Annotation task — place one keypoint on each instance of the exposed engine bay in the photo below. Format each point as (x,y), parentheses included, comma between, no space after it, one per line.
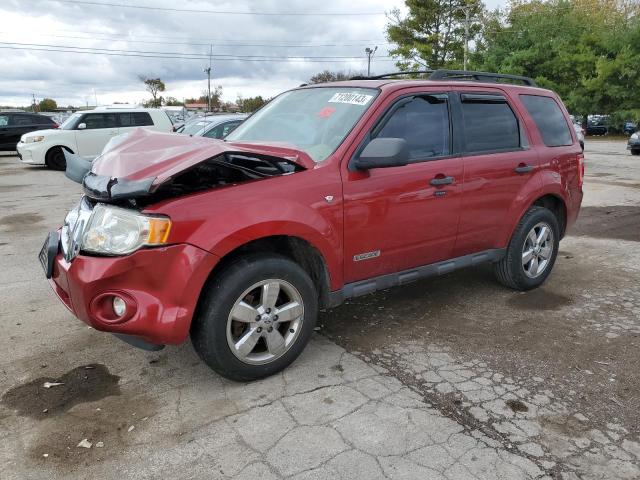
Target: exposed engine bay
(229,168)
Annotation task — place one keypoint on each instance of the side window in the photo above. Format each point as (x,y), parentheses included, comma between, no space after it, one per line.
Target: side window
(549,119)
(424,123)
(41,120)
(489,124)
(222,130)
(99,120)
(141,119)
(4,120)
(21,120)
(125,120)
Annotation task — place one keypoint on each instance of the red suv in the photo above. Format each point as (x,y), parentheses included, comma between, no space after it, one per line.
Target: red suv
(328,192)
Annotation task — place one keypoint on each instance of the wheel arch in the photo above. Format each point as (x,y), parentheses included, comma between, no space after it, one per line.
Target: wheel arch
(298,249)
(557,206)
(53,147)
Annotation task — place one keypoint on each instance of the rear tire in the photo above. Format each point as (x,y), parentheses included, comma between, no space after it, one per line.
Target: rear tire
(635,152)
(532,250)
(255,317)
(55,159)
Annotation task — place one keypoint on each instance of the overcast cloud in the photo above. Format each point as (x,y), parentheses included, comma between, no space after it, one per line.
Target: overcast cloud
(72,78)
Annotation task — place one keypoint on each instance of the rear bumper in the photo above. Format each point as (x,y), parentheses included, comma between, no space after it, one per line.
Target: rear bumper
(160,286)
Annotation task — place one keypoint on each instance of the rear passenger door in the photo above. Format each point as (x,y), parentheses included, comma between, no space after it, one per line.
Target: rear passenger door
(498,163)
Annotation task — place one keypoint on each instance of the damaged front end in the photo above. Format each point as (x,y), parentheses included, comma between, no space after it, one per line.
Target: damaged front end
(149,166)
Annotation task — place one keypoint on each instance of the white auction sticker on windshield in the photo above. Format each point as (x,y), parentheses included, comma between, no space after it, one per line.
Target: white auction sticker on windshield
(352,98)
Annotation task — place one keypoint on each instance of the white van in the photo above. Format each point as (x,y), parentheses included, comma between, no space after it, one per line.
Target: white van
(86,133)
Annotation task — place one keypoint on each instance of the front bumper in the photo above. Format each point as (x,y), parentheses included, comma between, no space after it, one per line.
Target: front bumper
(633,144)
(31,153)
(160,286)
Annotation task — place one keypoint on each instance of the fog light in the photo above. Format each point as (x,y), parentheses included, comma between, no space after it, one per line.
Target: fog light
(119,307)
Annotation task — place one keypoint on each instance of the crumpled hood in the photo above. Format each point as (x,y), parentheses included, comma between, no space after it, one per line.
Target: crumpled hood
(156,157)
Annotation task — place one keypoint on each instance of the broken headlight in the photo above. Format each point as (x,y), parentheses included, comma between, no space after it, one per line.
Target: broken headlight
(119,231)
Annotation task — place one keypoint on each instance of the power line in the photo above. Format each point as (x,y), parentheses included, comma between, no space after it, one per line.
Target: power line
(221,12)
(183,57)
(217,43)
(183,54)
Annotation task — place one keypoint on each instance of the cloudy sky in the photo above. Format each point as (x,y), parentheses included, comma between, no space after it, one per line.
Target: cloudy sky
(76,51)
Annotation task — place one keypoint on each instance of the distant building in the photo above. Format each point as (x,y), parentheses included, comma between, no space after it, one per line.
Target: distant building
(196,107)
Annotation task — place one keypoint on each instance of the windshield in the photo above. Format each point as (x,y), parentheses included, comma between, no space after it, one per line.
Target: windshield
(70,123)
(314,120)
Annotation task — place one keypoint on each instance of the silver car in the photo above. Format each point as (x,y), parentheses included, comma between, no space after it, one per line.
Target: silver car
(216,126)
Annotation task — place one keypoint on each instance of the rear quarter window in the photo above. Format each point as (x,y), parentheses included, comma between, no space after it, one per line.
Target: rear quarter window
(549,119)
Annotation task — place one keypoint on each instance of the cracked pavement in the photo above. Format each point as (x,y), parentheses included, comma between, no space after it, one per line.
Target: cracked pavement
(451,378)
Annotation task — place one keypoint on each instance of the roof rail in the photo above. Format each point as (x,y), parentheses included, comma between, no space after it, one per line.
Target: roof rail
(392,74)
(462,75)
(479,76)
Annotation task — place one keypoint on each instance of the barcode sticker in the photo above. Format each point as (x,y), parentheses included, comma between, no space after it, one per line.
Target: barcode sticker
(351,98)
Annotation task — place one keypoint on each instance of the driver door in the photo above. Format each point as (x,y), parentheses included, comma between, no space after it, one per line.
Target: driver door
(100,127)
(402,217)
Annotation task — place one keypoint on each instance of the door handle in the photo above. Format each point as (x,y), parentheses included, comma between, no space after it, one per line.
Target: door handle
(523,168)
(441,181)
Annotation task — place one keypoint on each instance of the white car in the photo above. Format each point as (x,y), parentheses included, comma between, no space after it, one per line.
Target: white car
(86,133)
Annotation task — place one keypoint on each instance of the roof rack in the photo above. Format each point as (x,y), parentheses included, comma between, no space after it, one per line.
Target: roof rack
(392,74)
(462,75)
(479,76)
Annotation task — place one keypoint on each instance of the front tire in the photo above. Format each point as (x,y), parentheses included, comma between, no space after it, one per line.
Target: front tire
(255,317)
(55,159)
(635,152)
(532,250)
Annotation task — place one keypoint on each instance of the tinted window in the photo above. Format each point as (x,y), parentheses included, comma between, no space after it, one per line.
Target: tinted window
(489,125)
(222,130)
(22,120)
(549,119)
(99,120)
(135,119)
(424,123)
(41,120)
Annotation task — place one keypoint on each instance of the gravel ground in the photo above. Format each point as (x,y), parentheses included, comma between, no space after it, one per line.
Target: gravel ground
(450,378)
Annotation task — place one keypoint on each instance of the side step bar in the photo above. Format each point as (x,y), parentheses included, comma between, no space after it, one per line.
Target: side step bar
(370,285)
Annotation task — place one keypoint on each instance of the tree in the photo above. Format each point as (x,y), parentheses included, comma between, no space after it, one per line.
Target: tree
(588,51)
(328,76)
(173,102)
(432,35)
(153,86)
(47,105)
(250,104)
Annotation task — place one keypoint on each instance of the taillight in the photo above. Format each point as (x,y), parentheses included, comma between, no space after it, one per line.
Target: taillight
(580,159)
(55,125)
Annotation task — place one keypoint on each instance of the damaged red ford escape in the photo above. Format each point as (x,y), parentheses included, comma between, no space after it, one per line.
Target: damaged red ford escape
(328,192)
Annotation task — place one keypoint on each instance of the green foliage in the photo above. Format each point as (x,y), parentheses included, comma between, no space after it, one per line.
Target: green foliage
(47,105)
(153,86)
(251,104)
(588,51)
(173,102)
(432,34)
(329,76)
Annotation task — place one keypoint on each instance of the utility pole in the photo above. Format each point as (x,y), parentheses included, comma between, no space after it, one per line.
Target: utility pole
(369,53)
(208,72)
(33,102)
(467,19)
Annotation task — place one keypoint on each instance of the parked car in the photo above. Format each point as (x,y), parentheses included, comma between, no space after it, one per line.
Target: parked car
(579,133)
(633,145)
(328,192)
(15,124)
(217,126)
(86,133)
(597,125)
(629,128)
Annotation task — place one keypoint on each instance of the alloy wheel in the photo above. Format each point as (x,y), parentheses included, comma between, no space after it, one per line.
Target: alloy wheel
(265,321)
(537,250)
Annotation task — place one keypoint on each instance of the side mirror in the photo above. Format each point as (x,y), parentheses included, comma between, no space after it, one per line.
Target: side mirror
(81,126)
(383,153)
